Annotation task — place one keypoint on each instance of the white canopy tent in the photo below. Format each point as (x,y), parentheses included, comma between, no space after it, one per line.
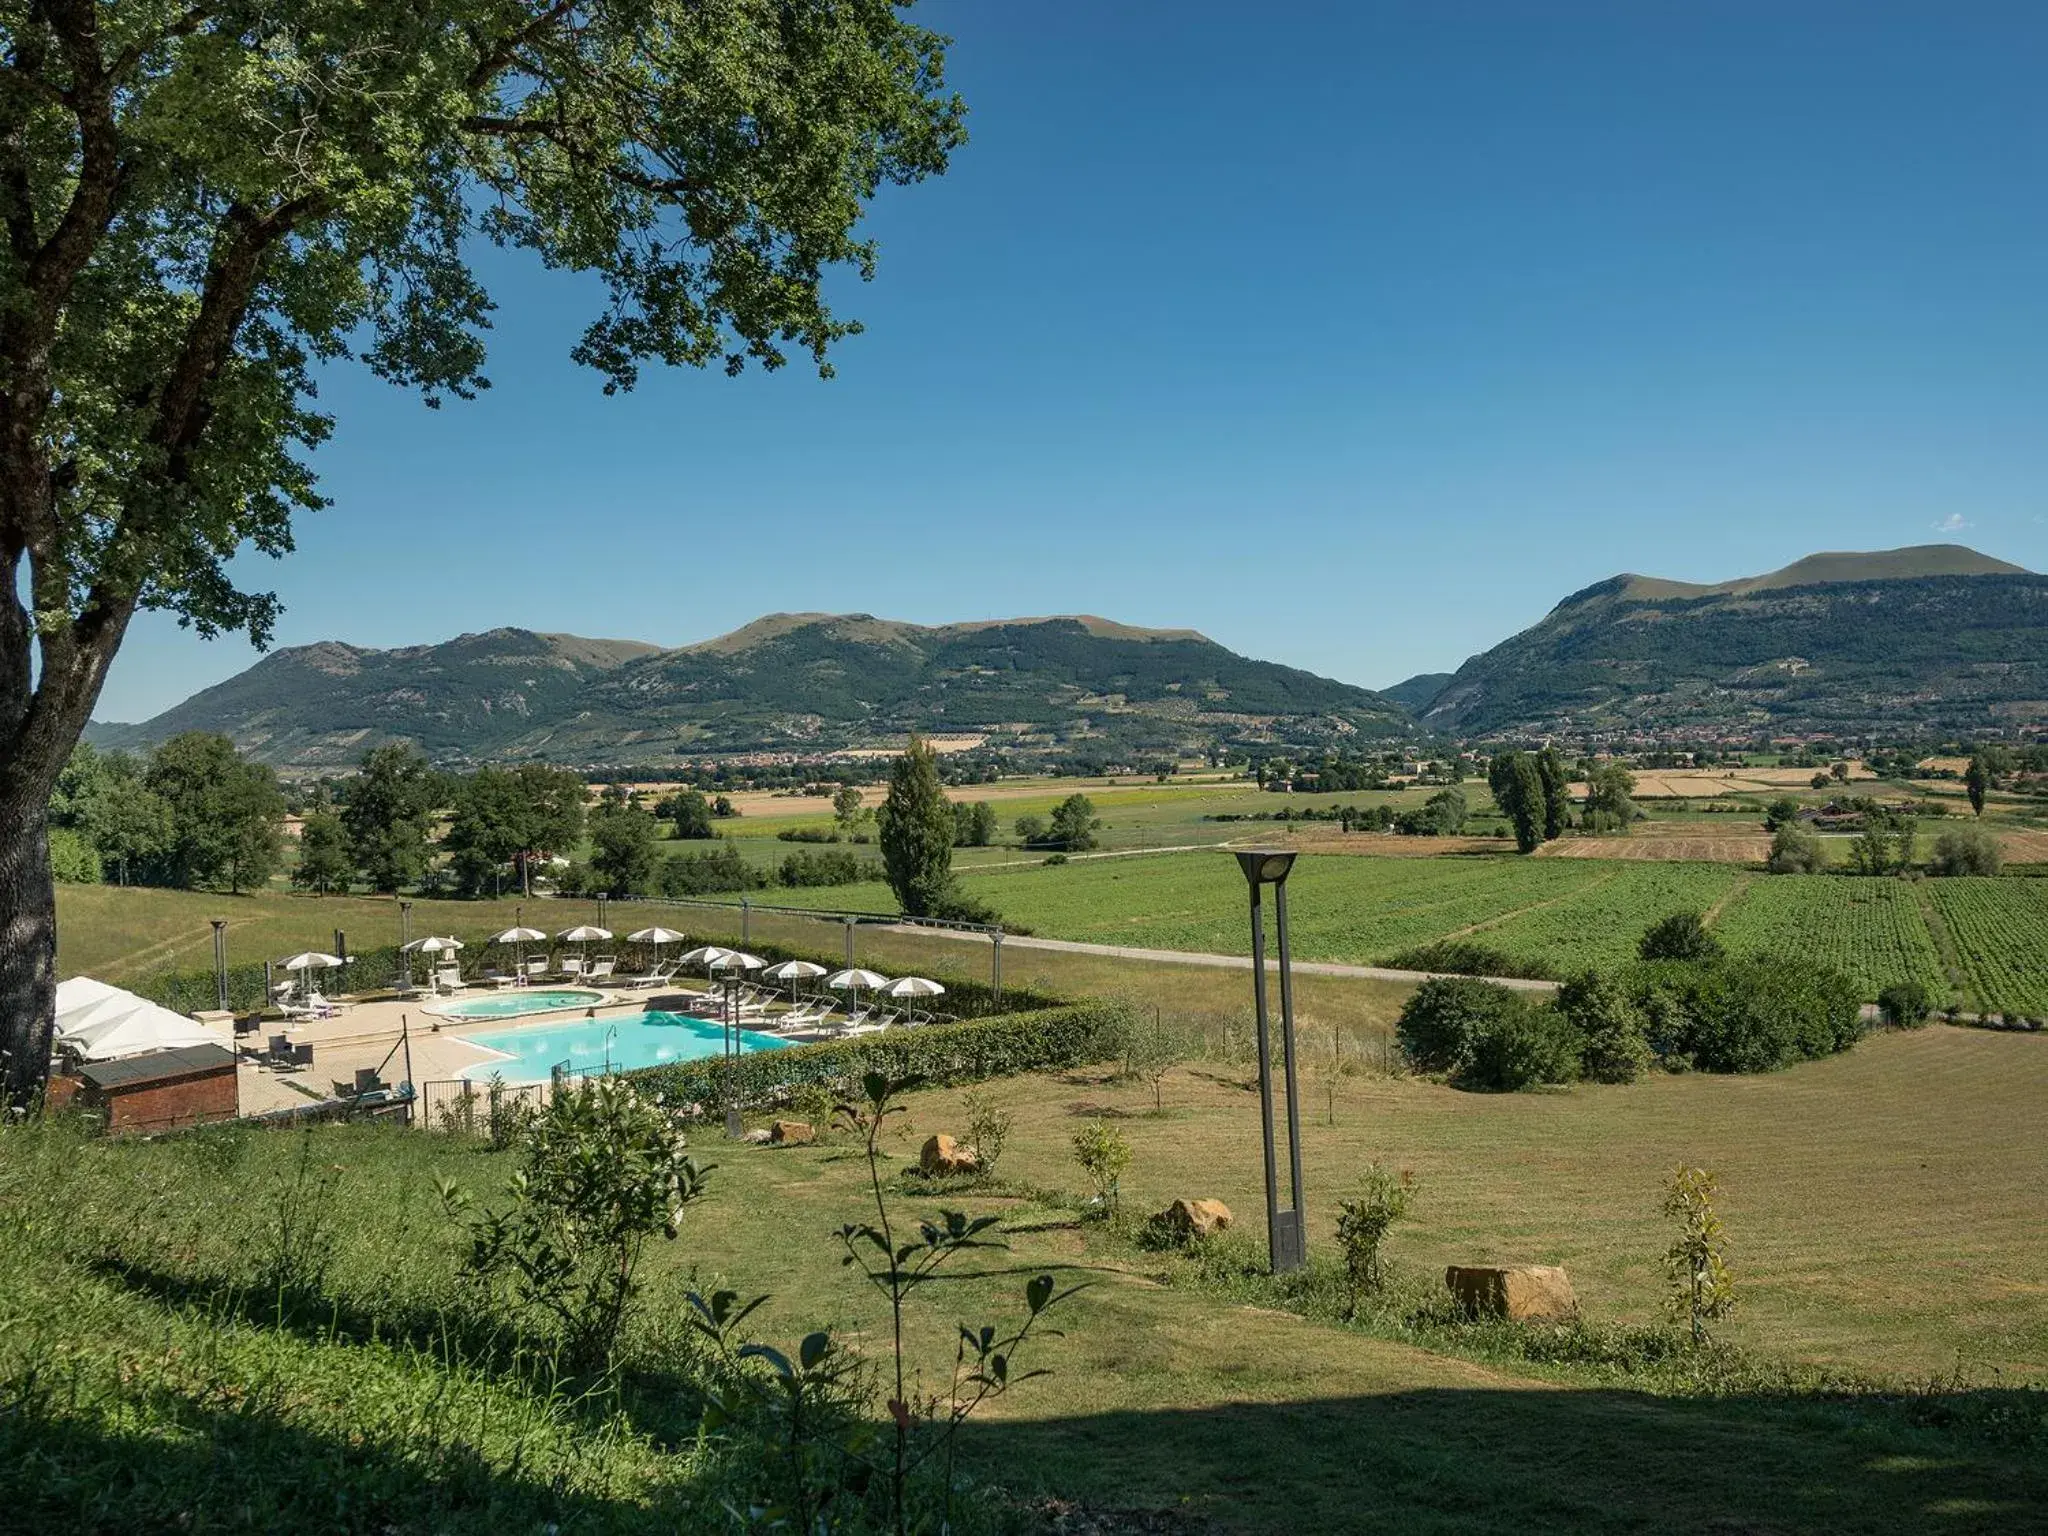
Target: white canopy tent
(100,1023)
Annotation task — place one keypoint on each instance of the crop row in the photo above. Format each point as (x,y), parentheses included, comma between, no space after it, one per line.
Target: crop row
(1999,929)
(1870,930)
(1602,924)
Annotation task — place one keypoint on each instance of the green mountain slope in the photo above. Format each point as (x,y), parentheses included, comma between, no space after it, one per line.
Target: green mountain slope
(1415,694)
(1939,637)
(787,682)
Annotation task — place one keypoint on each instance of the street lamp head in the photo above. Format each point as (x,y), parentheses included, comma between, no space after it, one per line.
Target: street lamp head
(1266,866)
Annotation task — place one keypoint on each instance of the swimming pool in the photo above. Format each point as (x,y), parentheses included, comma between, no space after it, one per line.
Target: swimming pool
(518,1003)
(630,1041)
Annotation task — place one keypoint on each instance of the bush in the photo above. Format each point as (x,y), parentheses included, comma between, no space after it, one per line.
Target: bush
(1969,850)
(1614,1044)
(73,860)
(1103,1154)
(1042,1040)
(1484,1036)
(836,867)
(1795,851)
(1751,1015)
(1441,1024)
(1461,957)
(1681,936)
(1362,1225)
(1905,1004)
(1522,1047)
(702,874)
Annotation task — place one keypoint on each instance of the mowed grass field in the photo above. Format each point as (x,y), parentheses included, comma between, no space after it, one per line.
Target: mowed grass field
(1887,1211)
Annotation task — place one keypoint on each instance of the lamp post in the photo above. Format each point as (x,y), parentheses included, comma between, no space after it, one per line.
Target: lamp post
(1286,1240)
(220,963)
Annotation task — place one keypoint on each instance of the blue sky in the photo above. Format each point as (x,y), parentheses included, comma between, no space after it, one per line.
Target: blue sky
(1351,334)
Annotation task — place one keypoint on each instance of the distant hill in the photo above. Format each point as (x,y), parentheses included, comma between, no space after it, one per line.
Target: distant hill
(785,683)
(1937,636)
(1415,693)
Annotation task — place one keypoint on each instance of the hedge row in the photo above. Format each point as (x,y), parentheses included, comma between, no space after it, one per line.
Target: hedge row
(372,970)
(1043,1040)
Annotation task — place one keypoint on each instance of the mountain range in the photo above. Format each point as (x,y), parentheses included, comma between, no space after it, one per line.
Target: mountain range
(1933,638)
(1937,637)
(787,683)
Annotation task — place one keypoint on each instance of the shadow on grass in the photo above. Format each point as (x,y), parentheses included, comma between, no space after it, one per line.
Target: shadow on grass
(662,1404)
(1532,1459)
(205,1468)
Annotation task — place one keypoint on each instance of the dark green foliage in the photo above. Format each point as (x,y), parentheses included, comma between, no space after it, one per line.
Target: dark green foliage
(709,872)
(1609,807)
(1517,785)
(1466,957)
(622,857)
(1976,781)
(324,866)
(1073,825)
(1782,812)
(974,825)
(1041,1040)
(73,860)
(1614,1045)
(1031,831)
(387,811)
(1521,1047)
(1443,813)
(690,813)
(226,815)
(1556,780)
(1905,1004)
(916,827)
(508,818)
(1967,850)
(1484,1036)
(1755,1014)
(837,866)
(1681,936)
(1795,851)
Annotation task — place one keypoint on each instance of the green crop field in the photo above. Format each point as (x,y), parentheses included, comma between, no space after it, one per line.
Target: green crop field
(1871,930)
(1600,924)
(1999,929)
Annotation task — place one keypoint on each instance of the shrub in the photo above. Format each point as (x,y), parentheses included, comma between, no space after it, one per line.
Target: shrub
(1701,1287)
(1614,1045)
(1362,1225)
(73,859)
(1968,850)
(601,1170)
(1750,1015)
(724,868)
(834,867)
(1521,1047)
(988,1130)
(1795,851)
(1905,1004)
(1103,1154)
(1461,957)
(1440,1025)
(1681,936)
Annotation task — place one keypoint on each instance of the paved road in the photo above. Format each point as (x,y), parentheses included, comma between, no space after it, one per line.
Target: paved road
(1222,962)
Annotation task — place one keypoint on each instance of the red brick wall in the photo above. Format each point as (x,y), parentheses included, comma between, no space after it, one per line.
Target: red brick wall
(161,1106)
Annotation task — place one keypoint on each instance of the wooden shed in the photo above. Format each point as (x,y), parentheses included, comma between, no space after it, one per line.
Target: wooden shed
(162,1090)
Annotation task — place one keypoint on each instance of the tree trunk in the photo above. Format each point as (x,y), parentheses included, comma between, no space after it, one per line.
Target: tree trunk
(28,950)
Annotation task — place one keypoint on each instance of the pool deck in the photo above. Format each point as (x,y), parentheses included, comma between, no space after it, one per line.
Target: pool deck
(364,1033)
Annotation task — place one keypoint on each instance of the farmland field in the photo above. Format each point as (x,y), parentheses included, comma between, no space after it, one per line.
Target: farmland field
(1871,930)
(1600,924)
(2000,932)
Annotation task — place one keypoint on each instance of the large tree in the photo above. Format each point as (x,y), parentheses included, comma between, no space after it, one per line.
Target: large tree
(916,825)
(226,815)
(387,814)
(202,202)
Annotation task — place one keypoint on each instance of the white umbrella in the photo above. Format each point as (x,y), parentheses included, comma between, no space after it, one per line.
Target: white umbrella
(138,1026)
(794,971)
(81,1001)
(583,934)
(855,980)
(427,946)
(913,986)
(655,936)
(310,960)
(518,936)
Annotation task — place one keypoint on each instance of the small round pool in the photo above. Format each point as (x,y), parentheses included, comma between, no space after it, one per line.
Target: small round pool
(518,1003)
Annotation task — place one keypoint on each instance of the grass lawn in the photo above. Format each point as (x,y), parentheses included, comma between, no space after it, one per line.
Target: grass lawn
(1886,1211)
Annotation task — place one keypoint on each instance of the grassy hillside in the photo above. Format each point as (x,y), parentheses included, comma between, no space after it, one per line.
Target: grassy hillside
(1884,1208)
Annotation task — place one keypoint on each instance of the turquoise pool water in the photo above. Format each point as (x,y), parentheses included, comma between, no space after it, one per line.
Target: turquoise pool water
(518,1002)
(630,1041)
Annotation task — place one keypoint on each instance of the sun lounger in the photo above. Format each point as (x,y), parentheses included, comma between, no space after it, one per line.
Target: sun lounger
(600,971)
(653,978)
(535,968)
(498,980)
(449,979)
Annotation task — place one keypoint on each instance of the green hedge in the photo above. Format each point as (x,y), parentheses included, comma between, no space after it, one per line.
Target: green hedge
(372,970)
(1043,1040)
